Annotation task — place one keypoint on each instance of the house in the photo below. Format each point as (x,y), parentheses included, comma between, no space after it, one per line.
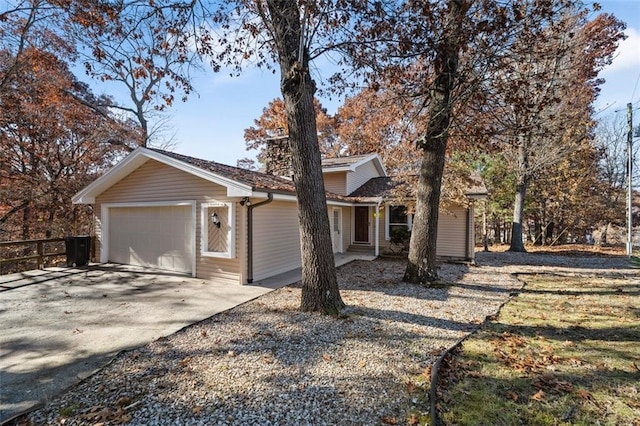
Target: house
(213,221)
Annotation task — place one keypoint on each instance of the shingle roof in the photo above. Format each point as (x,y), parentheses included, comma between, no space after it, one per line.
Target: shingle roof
(328,163)
(256,180)
(477,188)
(375,187)
(381,187)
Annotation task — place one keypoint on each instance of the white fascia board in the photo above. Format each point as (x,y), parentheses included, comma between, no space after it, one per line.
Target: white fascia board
(380,166)
(88,194)
(276,196)
(377,162)
(340,203)
(234,188)
(336,169)
(141,155)
(285,197)
(362,161)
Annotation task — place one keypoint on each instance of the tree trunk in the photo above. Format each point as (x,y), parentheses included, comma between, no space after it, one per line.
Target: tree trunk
(485,237)
(421,265)
(26,221)
(549,231)
(538,232)
(518,215)
(320,291)
(522,182)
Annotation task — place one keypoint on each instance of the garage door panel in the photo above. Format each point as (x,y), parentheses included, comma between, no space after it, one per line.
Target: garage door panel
(158,236)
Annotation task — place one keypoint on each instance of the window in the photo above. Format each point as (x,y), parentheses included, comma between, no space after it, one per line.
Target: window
(218,229)
(397,218)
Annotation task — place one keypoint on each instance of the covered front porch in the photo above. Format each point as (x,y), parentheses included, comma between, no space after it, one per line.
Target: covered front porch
(357,228)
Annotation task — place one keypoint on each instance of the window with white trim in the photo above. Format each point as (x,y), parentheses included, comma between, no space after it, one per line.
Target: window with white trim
(218,229)
(396,217)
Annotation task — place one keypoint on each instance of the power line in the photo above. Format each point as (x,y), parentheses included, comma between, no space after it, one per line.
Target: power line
(635,87)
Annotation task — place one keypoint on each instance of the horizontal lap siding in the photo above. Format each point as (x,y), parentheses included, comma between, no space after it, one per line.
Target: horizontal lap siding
(335,182)
(276,239)
(471,237)
(155,181)
(384,243)
(346,227)
(452,233)
(361,175)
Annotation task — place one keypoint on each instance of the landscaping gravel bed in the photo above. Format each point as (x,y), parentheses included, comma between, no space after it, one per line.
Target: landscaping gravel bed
(266,363)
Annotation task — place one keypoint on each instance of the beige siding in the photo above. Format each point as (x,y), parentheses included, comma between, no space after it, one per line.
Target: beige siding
(216,238)
(276,239)
(154,181)
(471,247)
(384,243)
(336,183)
(360,176)
(346,227)
(452,233)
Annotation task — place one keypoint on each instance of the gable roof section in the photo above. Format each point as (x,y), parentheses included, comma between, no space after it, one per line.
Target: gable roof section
(477,190)
(381,187)
(255,180)
(350,163)
(239,182)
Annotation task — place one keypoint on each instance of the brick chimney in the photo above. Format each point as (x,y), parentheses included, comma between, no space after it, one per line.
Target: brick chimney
(278,157)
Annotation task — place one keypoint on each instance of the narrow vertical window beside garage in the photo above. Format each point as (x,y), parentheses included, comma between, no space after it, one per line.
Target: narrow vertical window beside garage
(218,229)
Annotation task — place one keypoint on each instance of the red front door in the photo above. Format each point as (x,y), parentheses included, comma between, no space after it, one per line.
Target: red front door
(361,225)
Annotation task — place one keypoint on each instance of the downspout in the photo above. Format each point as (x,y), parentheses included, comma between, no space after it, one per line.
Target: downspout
(468,236)
(377,236)
(250,235)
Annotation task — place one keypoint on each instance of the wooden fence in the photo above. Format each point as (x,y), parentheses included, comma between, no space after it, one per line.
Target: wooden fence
(33,250)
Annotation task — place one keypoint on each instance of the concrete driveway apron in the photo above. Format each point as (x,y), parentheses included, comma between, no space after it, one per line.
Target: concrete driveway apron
(59,325)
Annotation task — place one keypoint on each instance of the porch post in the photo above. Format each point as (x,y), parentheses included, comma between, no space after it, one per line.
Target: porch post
(377,234)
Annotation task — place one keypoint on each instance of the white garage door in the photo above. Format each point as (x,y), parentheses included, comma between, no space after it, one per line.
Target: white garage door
(159,237)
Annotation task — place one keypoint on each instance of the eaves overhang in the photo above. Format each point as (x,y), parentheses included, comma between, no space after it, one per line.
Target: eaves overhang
(140,156)
(351,167)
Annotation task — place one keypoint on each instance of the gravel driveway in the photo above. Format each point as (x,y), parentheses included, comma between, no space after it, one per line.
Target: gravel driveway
(265,363)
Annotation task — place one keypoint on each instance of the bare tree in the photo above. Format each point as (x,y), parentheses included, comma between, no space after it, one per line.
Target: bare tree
(544,91)
(148,49)
(611,140)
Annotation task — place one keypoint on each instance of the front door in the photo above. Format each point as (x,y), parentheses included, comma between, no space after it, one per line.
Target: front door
(361,224)
(336,229)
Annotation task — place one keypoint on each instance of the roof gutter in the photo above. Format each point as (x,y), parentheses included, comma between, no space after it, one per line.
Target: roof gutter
(250,235)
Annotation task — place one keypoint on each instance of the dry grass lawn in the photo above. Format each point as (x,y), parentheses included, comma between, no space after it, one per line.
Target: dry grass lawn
(565,351)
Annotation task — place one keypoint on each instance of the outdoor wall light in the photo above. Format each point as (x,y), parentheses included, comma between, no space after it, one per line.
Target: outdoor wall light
(245,202)
(215,220)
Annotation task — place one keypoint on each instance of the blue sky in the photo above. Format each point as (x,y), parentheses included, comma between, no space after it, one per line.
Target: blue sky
(210,125)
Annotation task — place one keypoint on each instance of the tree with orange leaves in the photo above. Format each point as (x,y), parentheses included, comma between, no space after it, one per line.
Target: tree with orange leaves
(52,143)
